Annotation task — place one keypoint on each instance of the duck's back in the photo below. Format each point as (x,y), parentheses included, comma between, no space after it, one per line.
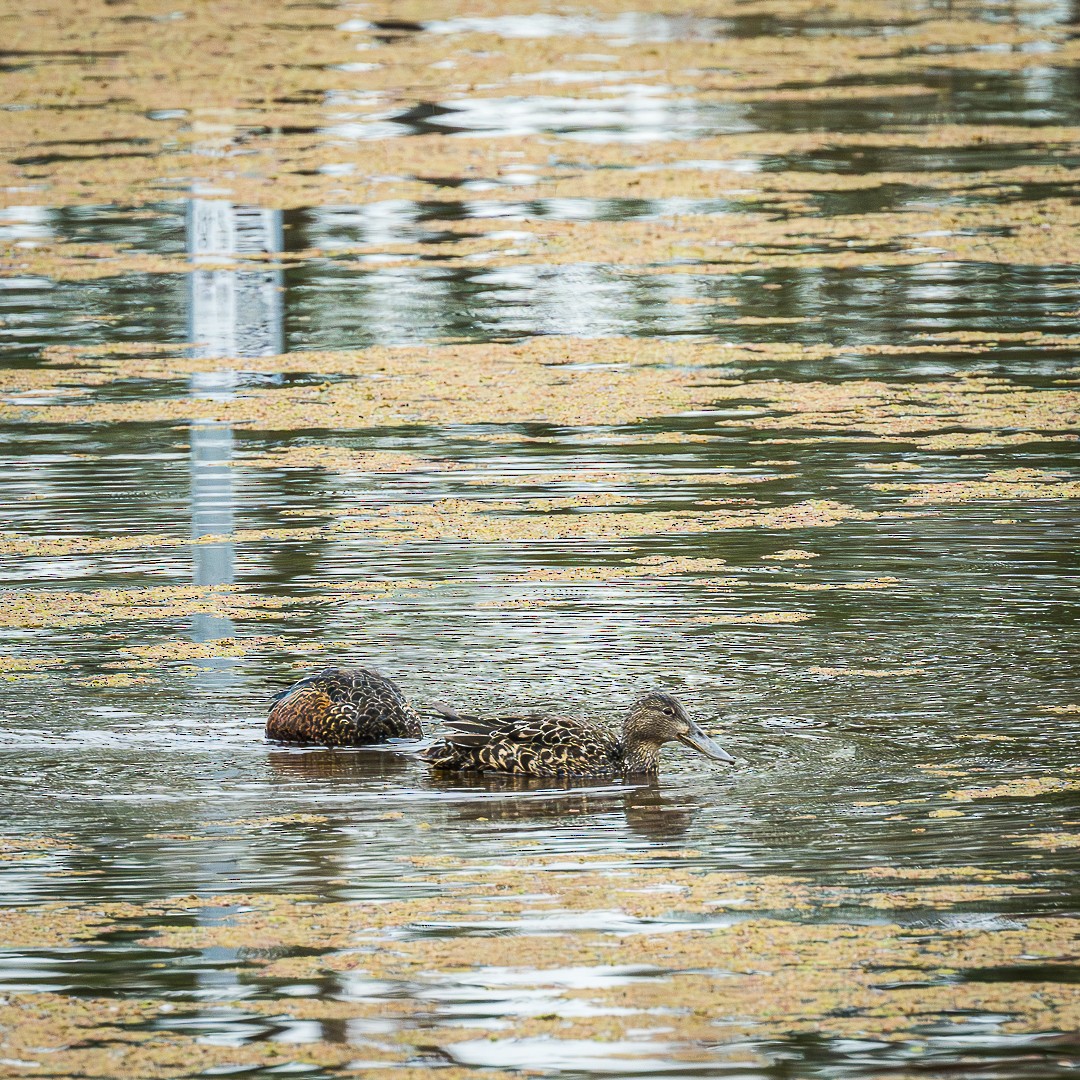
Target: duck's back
(342,707)
(526,745)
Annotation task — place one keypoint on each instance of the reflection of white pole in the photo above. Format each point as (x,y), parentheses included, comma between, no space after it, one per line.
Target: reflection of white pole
(232,313)
(212,514)
(26,223)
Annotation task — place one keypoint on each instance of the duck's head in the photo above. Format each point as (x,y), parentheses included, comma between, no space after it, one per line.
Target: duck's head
(657,718)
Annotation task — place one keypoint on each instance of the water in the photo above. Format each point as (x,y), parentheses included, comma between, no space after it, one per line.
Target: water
(899,686)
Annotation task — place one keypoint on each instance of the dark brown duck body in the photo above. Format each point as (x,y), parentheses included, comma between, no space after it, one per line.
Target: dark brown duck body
(342,707)
(560,746)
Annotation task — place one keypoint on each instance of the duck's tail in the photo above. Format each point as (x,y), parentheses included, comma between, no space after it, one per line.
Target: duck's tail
(438,710)
(457,749)
(446,755)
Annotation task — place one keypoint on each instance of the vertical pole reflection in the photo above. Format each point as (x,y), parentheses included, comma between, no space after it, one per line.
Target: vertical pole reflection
(232,313)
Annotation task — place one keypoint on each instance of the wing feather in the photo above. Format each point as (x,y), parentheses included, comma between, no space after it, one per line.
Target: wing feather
(532,744)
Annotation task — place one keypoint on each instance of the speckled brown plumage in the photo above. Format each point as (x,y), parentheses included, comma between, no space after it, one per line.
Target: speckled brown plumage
(543,745)
(342,707)
(529,745)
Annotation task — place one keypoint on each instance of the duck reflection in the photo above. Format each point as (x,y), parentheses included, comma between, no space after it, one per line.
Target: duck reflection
(353,766)
(649,812)
(656,816)
(524,798)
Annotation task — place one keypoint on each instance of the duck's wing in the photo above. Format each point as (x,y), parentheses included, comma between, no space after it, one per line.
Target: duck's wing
(302,713)
(532,744)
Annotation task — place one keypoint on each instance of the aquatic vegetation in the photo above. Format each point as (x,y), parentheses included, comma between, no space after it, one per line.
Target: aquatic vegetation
(759,973)
(1004,484)
(461,519)
(46,608)
(339,459)
(768,618)
(60,1036)
(56,546)
(789,554)
(20,848)
(865,673)
(1024,788)
(1052,841)
(21,665)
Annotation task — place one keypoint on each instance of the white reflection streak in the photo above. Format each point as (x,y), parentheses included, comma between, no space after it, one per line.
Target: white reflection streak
(581,301)
(26,225)
(232,313)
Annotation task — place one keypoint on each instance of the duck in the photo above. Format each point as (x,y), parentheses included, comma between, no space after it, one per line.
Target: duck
(536,744)
(342,707)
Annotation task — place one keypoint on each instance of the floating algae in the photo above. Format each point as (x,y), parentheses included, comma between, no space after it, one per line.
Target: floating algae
(1005,484)
(1023,788)
(48,608)
(54,546)
(760,973)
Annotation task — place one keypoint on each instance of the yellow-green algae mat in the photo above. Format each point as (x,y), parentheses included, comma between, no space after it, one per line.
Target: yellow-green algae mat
(696,966)
(236,95)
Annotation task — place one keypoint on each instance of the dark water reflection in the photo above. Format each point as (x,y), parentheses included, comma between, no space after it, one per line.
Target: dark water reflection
(634,26)
(331,304)
(1039,95)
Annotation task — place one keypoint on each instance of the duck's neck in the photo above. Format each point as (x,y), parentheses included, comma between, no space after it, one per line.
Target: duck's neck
(641,758)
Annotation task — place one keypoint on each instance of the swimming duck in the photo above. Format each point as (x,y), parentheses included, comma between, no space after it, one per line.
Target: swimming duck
(541,745)
(342,707)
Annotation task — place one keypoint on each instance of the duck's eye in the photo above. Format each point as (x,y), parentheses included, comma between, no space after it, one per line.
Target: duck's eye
(669,712)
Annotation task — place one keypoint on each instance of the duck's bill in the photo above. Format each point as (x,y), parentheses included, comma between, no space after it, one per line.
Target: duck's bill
(701,742)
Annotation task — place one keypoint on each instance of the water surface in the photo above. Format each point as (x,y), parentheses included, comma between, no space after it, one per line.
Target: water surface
(898,683)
